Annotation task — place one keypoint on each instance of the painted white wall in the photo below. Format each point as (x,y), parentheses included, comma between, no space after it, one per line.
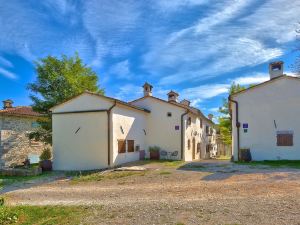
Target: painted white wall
(161,128)
(84,102)
(133,123)
(278,100)
(84,150)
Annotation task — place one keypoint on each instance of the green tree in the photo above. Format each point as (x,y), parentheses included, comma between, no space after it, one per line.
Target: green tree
(57,81)
(224,120)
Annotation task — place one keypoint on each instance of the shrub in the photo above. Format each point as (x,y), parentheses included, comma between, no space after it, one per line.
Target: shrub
(154,149)
(46,154)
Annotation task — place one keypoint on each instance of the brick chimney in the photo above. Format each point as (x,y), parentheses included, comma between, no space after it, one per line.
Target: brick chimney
(173,96)
(147,89)
(7,104)
(276,69)
(185,102)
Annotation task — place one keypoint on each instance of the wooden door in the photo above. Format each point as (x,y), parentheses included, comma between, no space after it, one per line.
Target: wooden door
(194,148)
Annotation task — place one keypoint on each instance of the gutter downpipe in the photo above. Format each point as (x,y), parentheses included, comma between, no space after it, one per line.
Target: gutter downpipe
(237,123)
(108,132)
(182,133)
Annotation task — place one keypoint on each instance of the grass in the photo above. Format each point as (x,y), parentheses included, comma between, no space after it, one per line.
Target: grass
(166,163)
(39,215)
(165,173)
(8,180)
(224,157)
(96,176)
(274,163)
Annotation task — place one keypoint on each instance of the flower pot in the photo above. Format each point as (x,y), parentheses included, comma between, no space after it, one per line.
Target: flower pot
(154,155)
(46,165)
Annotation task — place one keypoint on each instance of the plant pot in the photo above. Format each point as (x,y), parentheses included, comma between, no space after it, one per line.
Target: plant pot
(154,155)
(46,165)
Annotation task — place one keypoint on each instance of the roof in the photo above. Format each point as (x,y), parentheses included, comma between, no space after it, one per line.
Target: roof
(106,97)
(20,111)
(284,76)
(190,108)
(173,92)
(147,84)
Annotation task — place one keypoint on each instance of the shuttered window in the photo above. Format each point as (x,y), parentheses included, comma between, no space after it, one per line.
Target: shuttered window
(130,145)
(284,139)
(121,146)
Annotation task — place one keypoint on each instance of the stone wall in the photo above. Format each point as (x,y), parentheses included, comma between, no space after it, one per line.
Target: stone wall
(15,145)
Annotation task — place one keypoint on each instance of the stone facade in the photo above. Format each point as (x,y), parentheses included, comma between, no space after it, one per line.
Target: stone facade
(15,145)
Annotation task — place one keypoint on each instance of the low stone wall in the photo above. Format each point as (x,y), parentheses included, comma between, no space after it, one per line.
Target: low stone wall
(21,172)
(15,146)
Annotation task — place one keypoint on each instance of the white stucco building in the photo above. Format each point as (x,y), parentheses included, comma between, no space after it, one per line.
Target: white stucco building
(265,117)
(92,131)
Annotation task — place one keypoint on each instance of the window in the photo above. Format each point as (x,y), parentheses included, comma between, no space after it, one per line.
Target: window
(189,144)
(35,125)
(207,148)
(169,114)
(284,139)
(189,121)
(201,125)
(121,146)
(198,147)
(130,145)
(207,130)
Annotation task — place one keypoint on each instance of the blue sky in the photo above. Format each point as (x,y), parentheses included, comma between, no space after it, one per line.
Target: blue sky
(195,47)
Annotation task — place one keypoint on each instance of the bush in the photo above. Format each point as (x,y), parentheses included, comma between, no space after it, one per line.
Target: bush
(154,149)
(1,201)
(46,154)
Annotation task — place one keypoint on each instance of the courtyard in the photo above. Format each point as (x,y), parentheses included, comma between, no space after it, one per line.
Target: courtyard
(205,192)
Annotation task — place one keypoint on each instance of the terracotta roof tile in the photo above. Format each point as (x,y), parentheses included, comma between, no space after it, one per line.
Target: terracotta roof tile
(19,111)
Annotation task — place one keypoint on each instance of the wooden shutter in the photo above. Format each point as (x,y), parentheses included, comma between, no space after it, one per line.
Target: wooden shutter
(284,139)
(130,145)
(121,146)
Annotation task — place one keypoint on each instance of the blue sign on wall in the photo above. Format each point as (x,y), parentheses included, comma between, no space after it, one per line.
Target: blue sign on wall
(176,127)
(245,125)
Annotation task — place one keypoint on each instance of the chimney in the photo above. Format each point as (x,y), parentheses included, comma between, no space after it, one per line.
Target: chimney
(185,102)
(173,96)
(210,116)
(276,69)
(147,89)
(7,104)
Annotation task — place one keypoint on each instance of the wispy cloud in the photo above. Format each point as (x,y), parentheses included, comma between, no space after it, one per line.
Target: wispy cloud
(8,74)
(121,70)
(252,79)
(5,62)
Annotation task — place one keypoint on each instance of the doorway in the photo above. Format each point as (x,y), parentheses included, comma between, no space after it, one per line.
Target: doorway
(194,149)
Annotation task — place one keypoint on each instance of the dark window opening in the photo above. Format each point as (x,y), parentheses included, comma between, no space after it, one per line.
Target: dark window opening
(189,144)
(207,130)
(121,128)
(276,67)
(189,121)
(198,147)
(201,123)
(169,114)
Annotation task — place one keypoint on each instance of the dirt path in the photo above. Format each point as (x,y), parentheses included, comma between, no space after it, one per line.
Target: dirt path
(215,194)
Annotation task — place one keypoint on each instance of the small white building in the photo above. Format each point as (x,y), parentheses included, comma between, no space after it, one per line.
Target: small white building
(265,118)
(92,131)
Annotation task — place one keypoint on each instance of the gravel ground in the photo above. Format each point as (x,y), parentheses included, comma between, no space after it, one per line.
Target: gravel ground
(200,193)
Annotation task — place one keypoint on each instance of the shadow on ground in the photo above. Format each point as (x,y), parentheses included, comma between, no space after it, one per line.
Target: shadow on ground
(222,169)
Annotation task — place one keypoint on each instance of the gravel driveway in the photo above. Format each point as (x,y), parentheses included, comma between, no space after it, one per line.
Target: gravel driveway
(197,193)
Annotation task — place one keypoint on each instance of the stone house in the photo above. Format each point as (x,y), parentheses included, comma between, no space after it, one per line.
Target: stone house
(15,124)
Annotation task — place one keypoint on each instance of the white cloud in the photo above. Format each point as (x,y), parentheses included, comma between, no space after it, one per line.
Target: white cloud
(121,70)
(252,79)
(128,92)
(8,74)
(175,5)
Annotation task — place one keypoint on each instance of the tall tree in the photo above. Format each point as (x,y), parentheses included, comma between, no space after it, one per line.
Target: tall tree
(224,120)
(57,81)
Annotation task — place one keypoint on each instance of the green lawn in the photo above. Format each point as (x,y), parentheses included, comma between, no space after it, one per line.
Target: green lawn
(166,163)
(44,214)
(7,180)
(275,163)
